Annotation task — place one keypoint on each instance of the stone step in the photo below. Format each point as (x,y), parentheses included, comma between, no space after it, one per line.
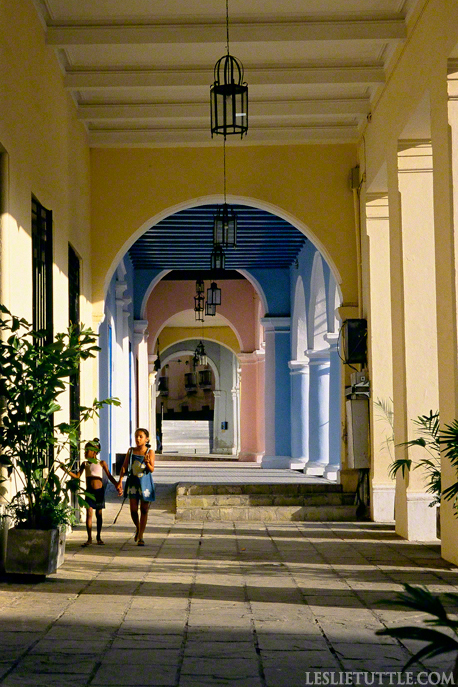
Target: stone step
(264,502)
(269,514)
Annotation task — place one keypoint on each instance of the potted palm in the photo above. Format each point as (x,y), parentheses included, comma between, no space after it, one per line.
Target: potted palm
(35,453)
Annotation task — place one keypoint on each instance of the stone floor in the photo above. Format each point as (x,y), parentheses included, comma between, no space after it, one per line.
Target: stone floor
(239,604)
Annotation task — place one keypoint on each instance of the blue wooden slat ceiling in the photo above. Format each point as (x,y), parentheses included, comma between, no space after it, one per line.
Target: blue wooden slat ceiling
(184,241)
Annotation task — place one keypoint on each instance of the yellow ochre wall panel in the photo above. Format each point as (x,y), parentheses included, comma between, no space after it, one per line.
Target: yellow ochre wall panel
(309,183)
(223,335)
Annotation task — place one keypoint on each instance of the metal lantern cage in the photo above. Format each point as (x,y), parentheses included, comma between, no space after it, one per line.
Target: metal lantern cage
(229,98)
(225,227)
(217,259)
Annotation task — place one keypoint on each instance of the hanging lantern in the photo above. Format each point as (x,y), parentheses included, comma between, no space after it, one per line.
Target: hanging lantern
(201,354)
(199,308)
(214,294)
(199,301)
(229,98)
(217,259)
(225,227)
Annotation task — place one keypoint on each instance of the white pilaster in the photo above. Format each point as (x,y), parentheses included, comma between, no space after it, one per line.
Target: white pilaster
(300,382)
(141,353)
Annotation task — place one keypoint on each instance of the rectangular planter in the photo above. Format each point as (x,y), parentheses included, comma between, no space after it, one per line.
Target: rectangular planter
(34,552)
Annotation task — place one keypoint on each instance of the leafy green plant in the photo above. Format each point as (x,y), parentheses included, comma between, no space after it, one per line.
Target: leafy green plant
(428,428)
(437,641)
(449,440)
(34,451)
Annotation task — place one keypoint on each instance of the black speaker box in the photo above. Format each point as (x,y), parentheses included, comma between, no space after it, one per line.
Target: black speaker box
(355,341)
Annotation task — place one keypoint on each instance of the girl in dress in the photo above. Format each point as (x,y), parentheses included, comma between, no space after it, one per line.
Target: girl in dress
(94,470)
(141,458)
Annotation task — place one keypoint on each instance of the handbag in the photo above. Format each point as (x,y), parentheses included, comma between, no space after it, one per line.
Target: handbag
(147,487)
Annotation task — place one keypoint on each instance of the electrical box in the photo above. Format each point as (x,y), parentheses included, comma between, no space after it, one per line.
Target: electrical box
(355,341)
(357,409)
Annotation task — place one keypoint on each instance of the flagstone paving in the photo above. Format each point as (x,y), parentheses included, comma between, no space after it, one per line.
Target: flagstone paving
(218,603)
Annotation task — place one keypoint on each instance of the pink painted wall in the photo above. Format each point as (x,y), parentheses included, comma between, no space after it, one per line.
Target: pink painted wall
(239,306)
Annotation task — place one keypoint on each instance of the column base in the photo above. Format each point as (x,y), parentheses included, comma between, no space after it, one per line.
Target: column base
(250,457)
(297,463)
(382,503)
(314,469)
(332,472)
(420,522)
(276,462)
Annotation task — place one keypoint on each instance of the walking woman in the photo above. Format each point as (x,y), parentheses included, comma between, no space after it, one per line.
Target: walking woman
(139,464)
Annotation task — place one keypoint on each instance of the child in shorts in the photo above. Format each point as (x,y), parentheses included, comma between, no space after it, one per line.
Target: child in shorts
(94,470)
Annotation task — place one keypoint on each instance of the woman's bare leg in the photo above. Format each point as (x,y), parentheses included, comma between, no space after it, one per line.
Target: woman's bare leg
(134,515)
(144,508)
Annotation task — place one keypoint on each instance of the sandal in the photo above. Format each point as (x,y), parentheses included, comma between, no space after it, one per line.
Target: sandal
(86,543)
(100,542)
(140,542)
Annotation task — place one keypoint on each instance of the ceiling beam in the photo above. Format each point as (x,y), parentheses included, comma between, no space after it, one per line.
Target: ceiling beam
(59,35)
(113,111)
(78,79)
(181,136)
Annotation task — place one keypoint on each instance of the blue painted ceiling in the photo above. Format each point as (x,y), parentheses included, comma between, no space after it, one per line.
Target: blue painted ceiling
(184,241)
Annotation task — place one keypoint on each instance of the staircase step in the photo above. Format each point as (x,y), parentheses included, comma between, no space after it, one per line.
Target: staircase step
(264,502)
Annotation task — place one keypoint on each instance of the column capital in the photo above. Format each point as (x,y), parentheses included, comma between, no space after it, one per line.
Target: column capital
(250,357)
(280,325)
(332,339)
(318,357)
(140,333)
(140,326)
(299,367)
(152,357)
(120,287)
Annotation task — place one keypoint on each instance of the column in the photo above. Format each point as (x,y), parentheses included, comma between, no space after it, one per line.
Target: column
(235,395)
(141,353)
(251,448)
(277,392)
(414,333)
(218,418)
(446,228)
(300,382)
(382,488)
(121,428)
(318,412)
(332,470)
(153,393)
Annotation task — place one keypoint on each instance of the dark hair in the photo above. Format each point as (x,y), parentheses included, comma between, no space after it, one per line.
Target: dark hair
(146,433)
(93,445)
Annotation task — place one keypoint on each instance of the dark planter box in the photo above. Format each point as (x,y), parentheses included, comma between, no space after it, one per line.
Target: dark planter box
(34,552)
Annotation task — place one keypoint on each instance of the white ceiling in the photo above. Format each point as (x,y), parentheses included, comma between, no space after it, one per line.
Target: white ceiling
(140,71)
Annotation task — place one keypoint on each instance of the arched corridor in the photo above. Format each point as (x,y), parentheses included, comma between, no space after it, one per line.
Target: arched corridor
(277,320)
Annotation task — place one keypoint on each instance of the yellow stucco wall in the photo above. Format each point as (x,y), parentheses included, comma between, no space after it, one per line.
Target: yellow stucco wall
(45,154)
(222,335)
(309,183)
